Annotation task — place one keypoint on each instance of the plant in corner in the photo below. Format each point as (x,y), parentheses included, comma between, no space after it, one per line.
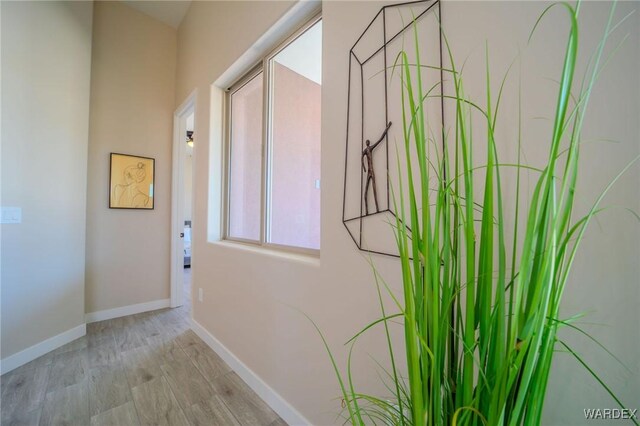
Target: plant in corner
(480,330)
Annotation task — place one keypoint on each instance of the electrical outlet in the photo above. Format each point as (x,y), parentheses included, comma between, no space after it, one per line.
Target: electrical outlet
(200,295)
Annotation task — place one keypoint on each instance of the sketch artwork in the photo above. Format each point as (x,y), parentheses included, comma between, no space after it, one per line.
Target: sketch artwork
(367,167)
(131,185)
(127,193)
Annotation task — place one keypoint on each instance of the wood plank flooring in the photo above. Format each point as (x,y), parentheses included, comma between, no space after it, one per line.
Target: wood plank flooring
(144,369)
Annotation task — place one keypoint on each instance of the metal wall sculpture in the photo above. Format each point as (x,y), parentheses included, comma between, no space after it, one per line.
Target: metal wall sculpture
(374,112)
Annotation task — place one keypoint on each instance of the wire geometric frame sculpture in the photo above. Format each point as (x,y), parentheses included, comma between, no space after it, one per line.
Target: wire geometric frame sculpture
(371,59)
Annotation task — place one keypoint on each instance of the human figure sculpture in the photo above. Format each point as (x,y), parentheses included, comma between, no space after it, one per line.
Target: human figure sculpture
(367,167)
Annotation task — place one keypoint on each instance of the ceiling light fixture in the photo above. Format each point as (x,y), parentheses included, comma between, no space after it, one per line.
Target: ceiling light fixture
(190,138)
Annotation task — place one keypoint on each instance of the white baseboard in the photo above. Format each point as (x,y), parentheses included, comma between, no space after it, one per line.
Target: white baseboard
(264,391)
(26,355)
(126,310)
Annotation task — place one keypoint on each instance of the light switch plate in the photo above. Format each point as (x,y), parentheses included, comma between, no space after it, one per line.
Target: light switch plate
(11,215)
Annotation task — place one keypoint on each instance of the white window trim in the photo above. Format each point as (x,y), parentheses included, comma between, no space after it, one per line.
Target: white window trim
(264,67)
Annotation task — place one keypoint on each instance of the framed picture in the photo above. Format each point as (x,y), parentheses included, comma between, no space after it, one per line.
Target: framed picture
(131,180)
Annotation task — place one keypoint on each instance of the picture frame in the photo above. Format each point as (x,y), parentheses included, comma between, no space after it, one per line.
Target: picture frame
(131,182)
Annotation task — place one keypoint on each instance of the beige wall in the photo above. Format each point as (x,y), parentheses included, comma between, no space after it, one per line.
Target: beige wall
(132,104)
(246,292)
(46,59)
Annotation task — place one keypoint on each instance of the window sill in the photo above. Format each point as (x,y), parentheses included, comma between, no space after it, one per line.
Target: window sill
(311,259)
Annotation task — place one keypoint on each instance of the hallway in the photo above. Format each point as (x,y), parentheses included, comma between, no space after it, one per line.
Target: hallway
(148,368)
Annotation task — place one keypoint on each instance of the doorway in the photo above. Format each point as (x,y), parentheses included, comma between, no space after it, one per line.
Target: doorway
(184,154)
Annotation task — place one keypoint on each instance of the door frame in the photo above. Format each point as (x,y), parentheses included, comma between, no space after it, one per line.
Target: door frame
(187,108)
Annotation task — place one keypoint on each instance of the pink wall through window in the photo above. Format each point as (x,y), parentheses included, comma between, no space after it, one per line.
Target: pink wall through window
(295,160)
(246,161)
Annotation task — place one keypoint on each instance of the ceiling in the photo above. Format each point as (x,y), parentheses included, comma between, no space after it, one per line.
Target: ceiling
(171,12)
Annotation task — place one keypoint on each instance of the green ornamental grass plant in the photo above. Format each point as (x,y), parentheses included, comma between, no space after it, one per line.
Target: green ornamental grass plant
(479,334)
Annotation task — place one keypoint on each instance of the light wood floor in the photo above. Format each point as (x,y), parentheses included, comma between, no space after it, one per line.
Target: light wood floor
(147,369)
